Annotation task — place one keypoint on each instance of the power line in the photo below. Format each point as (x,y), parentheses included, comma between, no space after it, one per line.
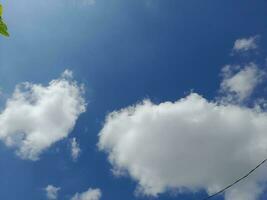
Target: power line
(237,181)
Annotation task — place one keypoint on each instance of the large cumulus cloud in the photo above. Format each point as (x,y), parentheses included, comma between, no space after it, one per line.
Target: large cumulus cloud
(190,144)
(37,116)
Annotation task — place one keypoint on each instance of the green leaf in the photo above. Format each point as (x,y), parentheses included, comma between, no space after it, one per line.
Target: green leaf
(3,26)
(1,10)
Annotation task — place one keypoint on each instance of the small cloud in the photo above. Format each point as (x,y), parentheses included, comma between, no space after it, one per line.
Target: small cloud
(52,192)
(67,74)
(90,194)
(246,44)
(75,149)
(239,83)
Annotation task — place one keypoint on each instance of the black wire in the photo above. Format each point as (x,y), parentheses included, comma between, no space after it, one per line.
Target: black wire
(237,181)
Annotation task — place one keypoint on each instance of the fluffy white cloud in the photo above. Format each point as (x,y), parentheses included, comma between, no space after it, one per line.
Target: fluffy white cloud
(189,144)
(52,192)
(238,83)
(75,149)
(90,194)
(37,116)
(246,44)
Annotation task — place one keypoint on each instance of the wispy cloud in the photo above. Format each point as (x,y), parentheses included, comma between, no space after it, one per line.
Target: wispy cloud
(246,44)
(75,149)
(240,81)
(90,194)
(52,192)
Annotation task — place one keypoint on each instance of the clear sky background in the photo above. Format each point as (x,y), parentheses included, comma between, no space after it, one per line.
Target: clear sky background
(123,51)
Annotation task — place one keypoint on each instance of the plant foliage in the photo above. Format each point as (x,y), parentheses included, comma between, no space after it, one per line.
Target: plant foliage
(3,26)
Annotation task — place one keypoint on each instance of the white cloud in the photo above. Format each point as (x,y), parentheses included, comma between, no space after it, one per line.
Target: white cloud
(189,144)
(67,74)
(90,194)
(238,83)
(52,192)
(75,149)
(246,44)
(37,116)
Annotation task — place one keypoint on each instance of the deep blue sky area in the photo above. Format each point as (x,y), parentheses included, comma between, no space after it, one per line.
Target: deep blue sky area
(123,51)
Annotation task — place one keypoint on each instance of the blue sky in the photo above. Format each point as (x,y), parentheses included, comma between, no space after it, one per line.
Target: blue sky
(123,52)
